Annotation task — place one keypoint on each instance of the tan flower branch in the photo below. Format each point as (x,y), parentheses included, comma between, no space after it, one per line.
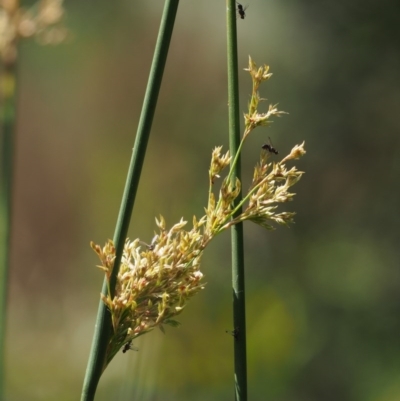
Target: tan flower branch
(253,118)
(155,281)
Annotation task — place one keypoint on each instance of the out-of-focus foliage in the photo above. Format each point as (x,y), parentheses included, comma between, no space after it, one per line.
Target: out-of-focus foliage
(42,20)
(323,296)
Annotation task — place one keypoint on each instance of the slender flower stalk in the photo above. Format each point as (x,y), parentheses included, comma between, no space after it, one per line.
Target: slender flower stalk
(103,344)
(237,234)
(156,280)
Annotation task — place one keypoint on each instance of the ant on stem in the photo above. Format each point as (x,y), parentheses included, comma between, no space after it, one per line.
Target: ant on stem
(241,10)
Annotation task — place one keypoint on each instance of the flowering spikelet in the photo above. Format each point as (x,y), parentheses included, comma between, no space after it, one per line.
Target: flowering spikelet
(154,282)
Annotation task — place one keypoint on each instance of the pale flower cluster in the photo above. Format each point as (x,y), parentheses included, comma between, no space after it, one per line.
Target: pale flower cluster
(42,21)
(156,280)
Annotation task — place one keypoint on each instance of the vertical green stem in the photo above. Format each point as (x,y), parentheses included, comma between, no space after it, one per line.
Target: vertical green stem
(8,80)
(238,285)
(97,359)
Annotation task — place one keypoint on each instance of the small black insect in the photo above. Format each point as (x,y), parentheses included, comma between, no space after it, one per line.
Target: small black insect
(129,346)
(269,147)
(241,10)
(234,333)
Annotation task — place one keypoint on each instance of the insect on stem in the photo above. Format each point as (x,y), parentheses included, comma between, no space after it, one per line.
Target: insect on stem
(241,10)
(128,346)
(234,333)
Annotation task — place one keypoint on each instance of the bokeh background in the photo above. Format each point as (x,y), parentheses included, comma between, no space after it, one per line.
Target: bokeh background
(323,297)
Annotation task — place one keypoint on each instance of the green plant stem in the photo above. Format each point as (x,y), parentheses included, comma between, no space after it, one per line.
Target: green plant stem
(103,329)
(8,121)
(238,285)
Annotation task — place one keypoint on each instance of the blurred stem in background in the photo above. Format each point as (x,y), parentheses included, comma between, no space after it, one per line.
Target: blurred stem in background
(8,81)
(43,21)
(97,358)
(238,284)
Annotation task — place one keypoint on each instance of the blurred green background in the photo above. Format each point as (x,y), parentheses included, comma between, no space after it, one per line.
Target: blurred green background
(323,297)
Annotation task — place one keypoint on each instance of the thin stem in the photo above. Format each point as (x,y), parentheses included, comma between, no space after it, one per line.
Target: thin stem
(7,125)
(239,316)
(236,159)
(238,207)
(103,329)
(233,170)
